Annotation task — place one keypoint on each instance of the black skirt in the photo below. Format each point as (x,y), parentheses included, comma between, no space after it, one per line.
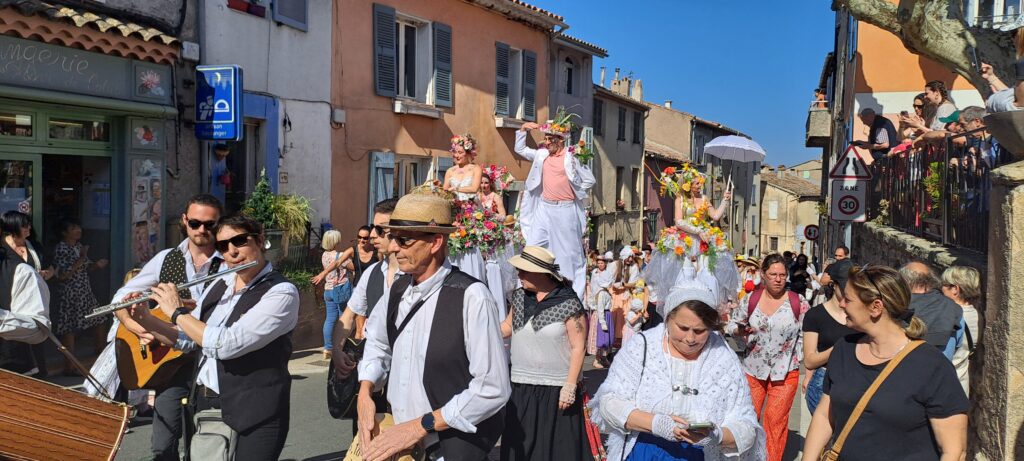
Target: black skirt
(536,430)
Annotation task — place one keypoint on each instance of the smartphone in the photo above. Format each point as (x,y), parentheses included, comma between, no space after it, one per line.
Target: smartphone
(700,426)
(972,53)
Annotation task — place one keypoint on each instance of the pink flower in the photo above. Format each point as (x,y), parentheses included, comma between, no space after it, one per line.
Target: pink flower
(489,225)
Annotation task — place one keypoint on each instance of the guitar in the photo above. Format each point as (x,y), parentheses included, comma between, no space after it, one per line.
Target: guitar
(147,367)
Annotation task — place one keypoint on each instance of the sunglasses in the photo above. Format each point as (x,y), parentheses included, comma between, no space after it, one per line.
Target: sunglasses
(864,270)
(363,238)
(238,241)
(405,241)
(195,223)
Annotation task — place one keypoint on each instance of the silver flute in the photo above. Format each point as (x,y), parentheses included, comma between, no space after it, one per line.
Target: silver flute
(148,294)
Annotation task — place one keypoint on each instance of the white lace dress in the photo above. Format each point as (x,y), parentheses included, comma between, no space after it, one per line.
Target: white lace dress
(723,396)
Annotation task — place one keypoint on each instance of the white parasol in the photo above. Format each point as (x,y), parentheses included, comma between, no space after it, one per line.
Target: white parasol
(735,148)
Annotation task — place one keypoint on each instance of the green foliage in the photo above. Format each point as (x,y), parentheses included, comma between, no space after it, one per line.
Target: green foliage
(286,212)
(299,276)
(933,187)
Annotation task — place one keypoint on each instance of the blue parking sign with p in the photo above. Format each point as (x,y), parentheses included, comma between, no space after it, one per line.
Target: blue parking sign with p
(219,102)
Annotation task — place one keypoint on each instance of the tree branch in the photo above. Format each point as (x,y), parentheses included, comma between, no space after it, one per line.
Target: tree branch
(879,13)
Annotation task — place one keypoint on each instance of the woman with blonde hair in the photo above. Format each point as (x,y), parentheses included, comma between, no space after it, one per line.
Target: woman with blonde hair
(918,411)
(962,284)
(337,289)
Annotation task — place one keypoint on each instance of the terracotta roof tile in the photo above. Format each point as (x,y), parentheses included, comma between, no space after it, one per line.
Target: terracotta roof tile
(663,151)
(792,184)
(85,18)
(596,50)
(534,8)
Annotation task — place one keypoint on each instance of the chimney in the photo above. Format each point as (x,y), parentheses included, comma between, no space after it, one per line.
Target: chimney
(615,78)
(638,90)
(602,75)
(781,171)
(668,103)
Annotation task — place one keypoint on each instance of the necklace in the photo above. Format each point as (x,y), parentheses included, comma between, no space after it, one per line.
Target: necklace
(677,387)
(891,356)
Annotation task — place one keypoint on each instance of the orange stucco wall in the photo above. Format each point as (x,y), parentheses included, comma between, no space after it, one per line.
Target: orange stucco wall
(372,124)
(885,65)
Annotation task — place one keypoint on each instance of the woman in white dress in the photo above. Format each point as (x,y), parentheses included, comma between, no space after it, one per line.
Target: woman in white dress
(463,180)
(677,391)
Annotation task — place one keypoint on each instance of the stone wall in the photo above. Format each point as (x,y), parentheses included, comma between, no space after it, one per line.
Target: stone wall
(884,245)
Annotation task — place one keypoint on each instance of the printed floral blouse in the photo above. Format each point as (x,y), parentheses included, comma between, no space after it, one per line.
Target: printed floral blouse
(776,346)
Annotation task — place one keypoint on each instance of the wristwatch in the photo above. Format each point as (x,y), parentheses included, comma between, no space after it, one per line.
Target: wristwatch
(177,312)
(427,421)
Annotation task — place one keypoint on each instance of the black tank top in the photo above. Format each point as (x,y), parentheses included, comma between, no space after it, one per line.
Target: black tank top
(359,266)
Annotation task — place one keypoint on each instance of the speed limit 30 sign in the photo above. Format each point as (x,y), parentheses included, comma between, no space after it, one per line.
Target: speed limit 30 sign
(849,200)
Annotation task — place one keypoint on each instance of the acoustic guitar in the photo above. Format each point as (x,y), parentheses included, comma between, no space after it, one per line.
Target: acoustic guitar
(147,367)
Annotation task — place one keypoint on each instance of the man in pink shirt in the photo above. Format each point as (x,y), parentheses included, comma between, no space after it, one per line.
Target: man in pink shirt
(552,214)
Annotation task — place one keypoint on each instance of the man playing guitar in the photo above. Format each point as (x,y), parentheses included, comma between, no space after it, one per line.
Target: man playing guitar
(192,258)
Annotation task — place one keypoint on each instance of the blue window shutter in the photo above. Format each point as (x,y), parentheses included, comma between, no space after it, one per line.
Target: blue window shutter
(501,88)
(385,56)
(529,85)
(443,85)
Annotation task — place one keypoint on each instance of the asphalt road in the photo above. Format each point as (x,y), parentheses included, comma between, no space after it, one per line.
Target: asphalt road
(315,436)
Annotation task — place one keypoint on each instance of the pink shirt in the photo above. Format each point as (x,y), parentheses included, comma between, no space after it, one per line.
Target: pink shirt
(554,182)
(336,277)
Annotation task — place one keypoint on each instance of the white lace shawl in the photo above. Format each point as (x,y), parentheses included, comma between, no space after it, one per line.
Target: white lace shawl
(724,394)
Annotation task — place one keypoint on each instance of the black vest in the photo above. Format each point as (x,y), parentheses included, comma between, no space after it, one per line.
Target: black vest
(255,387)
(446,366)
(173,270)
(15,356)
(374,287)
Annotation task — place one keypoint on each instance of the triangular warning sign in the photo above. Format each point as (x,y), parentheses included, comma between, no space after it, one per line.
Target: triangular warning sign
(850,166)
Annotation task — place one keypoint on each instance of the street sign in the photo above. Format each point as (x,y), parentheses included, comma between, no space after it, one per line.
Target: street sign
(811,232)
(849,200)
(850,165)
(219,102)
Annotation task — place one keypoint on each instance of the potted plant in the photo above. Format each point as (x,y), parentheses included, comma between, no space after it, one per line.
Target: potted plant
(284,216)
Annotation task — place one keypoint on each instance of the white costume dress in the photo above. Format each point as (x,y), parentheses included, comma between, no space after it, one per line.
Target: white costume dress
(723,396)
(551,224)
(469,261)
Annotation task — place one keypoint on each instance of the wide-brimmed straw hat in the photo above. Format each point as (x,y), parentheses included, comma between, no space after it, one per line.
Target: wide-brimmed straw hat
(422,212)
(537,260)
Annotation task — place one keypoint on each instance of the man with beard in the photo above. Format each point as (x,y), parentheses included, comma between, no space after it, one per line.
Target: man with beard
(194,257)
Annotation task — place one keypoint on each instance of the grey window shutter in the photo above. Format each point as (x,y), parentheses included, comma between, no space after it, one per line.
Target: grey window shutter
(529,85)
(385,57)
(443,65)
(501,88)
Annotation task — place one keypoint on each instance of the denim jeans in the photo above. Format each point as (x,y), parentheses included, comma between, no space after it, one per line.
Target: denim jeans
(814,389)
(336,298)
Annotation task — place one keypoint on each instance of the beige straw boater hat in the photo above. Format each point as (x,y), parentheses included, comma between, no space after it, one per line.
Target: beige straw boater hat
(537,260)
(422,212)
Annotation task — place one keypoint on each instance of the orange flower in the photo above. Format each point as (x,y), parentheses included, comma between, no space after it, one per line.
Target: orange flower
(679,251)
(583,143)
(670,170)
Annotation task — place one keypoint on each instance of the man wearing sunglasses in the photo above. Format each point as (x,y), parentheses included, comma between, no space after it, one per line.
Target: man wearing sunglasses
(194,257)
(556,190)
(436,335)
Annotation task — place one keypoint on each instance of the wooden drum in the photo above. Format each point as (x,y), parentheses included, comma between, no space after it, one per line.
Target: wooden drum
(43,421)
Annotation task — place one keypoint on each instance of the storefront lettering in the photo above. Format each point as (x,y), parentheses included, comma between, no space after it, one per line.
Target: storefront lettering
(41,65)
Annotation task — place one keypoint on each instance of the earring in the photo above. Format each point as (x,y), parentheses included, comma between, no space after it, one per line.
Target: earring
(266,244)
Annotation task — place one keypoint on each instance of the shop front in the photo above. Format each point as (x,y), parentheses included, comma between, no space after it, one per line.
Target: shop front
(83,139)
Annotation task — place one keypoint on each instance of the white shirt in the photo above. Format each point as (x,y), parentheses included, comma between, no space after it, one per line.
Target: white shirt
(274,315)
(357,303)
(30,300)
(488,390)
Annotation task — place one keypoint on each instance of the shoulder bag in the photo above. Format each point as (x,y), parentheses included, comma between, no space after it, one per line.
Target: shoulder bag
(832,454)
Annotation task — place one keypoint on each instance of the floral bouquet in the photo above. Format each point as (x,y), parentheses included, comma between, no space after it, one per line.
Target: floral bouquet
(500,178)
(683,245)
(581,151)
(685,178)
(476,227)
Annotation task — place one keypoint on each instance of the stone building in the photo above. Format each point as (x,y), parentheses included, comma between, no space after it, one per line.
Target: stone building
(618,158)
(788,205)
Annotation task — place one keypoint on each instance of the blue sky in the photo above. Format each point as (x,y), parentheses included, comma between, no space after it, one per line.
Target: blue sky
(749,64)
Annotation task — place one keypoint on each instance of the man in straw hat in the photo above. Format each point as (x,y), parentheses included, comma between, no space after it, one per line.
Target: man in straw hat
(436,334)
(552,212)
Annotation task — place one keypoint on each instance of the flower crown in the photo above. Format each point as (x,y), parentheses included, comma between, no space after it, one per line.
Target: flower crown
(500,178)
(561,125)
(466,142)
(685,178)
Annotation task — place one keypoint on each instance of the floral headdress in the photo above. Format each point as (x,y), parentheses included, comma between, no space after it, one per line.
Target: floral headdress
(466,142)
(561,125)
(686,178)
(500,178)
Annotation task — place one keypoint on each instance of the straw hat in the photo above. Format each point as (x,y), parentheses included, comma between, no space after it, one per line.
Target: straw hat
(537,260)
(422,212)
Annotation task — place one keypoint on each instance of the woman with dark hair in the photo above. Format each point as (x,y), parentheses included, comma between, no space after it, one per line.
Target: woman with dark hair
(16,228)
(937,98)
(76,296)
(770,326)
(241,326)
(677,391)
(823,325)
(919,411)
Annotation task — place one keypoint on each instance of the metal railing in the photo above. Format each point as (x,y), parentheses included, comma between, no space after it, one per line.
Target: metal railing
(939,191)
